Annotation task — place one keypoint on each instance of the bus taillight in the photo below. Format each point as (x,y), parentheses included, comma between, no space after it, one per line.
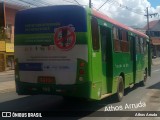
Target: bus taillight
(81,72)
(82,64)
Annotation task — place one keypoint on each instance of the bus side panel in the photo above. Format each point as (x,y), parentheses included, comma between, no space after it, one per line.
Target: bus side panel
(96,74)
(122,66)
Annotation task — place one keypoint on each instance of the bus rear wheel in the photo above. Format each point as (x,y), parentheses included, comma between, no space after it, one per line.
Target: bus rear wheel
(143,83)
(120,90)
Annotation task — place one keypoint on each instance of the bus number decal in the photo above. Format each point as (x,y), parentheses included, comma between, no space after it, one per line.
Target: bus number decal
(65,37)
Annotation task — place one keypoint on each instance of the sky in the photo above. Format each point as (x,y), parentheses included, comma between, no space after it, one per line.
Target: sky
(129,12)
(154,3)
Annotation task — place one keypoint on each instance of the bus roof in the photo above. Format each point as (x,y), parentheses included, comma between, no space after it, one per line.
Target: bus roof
(105,17)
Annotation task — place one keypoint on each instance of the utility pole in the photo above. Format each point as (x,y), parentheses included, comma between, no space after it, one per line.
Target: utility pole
(90,4)
(148,22)
(148,29)
(149,45)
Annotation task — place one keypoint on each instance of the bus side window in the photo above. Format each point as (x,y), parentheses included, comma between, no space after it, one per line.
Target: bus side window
(124,41)
(137,45)
(116,37)
(95,34)
(120,33)
(141,46)
(144,46)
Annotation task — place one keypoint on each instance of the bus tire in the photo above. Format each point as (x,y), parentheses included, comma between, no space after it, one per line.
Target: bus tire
(120,89)
(143,82)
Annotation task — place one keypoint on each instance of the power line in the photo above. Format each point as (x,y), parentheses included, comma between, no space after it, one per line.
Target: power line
(38,4)
(121,6)
(19,3)
(126,7)
(49,2)
(68,1)
(77,2)
(102,5)
(111,2)
(44,2)
(28,3)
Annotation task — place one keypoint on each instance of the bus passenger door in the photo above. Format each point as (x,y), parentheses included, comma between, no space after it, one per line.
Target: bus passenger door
(96,64)
(105,38)
(133,58)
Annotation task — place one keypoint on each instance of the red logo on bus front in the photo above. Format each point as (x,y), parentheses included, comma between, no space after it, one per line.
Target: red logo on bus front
(65,37)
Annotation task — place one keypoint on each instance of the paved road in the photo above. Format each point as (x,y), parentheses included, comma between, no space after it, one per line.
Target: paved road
(7,82)
(148,95)
(4,78)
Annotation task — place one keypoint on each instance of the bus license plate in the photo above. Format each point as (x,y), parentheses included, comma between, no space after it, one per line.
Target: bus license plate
(46,79)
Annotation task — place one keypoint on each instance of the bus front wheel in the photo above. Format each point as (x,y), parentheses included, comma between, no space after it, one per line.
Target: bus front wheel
(120,89)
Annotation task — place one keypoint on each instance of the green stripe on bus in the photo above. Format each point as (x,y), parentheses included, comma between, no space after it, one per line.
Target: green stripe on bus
(45,39)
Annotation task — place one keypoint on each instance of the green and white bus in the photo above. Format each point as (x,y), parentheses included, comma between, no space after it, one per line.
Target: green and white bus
(75,51)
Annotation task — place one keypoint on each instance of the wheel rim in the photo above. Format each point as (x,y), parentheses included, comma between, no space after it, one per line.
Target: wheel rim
(145,77)
(121,90)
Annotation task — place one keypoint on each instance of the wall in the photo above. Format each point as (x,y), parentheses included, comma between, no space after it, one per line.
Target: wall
(10,15)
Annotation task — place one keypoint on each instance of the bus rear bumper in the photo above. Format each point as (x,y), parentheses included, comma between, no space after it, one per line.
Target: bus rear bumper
(76,90)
